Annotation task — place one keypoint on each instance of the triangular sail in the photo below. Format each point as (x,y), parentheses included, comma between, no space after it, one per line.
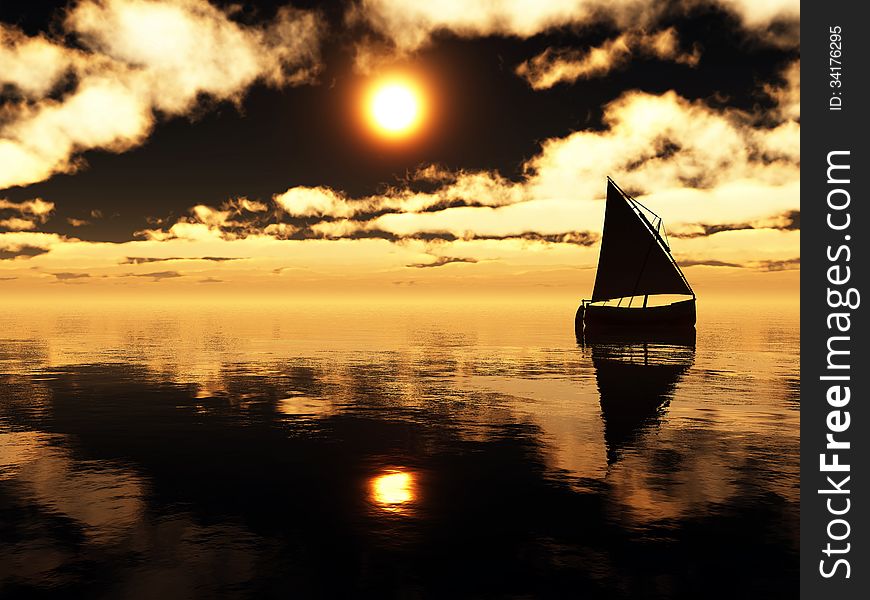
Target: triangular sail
(633,260)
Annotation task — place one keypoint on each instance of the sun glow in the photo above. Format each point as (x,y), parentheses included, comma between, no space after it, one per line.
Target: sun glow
(395,108)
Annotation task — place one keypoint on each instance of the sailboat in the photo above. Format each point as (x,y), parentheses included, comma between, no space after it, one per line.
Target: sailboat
(635,260)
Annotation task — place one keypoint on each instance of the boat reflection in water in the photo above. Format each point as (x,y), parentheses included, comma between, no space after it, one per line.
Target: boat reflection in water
(636,376)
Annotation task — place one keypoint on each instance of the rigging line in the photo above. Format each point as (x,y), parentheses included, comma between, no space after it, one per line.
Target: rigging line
(623,192)
(634,205)
(665,233)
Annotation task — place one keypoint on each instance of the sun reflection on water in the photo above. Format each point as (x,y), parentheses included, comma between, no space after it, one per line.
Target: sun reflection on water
(394,489)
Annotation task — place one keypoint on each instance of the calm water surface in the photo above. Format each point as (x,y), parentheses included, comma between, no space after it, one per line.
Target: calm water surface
(395,451)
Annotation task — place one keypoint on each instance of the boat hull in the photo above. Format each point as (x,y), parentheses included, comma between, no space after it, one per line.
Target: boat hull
(675,316)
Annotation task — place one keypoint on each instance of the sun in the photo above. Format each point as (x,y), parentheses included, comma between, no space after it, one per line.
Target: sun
(395,108)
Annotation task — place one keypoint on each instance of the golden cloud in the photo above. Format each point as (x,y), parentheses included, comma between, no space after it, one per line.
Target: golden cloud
(138,57)
(788,96)
(759,13)
(410,24)
(17,224)
(36,207)
(567,66)
(24,216)
(709,170)
(726,181)
(33,65)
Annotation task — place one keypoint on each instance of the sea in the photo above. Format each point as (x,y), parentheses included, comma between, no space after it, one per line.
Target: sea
(395,449)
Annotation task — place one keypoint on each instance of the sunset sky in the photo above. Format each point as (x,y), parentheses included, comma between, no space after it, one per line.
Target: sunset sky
(185,146)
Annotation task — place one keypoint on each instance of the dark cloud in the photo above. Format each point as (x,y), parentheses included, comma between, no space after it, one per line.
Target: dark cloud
(370,234)
(781,265)
(156,276)
(210,280)
(765,265)
(787,221)
(707,230)
(440,261)
(579,238)
(708,263)
(70,276)
(24,251)
(432,236)
(138,260)
(793,220)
